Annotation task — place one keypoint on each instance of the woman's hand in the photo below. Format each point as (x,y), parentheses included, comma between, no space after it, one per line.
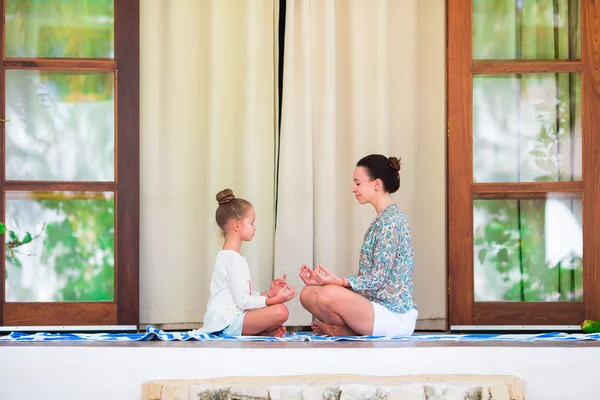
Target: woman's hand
(285,294)
(325,277)
(308,276)
(276,286)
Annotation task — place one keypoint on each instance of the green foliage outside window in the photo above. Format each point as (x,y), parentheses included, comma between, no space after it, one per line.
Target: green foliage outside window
(511,236)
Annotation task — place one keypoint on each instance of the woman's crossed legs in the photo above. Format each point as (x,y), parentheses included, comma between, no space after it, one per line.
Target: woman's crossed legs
(340,311)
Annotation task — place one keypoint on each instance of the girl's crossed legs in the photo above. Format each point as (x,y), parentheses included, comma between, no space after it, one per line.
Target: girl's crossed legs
(340,311)
(267,321)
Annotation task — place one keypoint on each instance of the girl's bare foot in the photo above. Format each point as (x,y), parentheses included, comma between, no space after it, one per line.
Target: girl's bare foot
(321,328)
(277,332)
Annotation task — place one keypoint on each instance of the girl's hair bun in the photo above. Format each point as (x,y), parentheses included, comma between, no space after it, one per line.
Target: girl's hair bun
(225,196)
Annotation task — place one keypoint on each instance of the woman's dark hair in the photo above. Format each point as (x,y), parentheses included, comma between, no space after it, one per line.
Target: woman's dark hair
(385,168)
(230,208)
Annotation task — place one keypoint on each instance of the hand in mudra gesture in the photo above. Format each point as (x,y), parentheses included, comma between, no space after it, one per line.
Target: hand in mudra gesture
(285,294)
(277,285)
(308,276)
(319,276)
(325,277)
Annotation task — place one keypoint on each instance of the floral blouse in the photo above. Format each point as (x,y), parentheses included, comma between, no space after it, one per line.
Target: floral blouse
(386,262)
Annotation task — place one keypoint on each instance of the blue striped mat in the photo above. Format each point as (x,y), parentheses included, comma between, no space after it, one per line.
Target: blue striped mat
(153,333)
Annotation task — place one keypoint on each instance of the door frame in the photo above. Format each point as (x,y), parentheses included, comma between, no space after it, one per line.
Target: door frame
(124,309)
(463,312)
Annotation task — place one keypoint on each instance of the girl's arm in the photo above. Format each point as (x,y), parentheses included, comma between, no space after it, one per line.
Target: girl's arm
(259,293)
(241,286)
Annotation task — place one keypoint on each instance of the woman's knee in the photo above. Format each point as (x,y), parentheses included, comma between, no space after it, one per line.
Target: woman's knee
(328,296)
(307,295)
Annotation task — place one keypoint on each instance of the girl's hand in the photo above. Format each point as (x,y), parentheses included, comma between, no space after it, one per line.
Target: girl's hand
(284,295)
(308,276)
(276,286)
(325,277)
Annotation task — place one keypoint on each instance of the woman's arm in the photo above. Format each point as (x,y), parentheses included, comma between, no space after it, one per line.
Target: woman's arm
(375,277)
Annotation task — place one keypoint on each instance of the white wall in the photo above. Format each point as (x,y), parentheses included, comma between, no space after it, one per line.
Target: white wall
(429,226)
(117,373)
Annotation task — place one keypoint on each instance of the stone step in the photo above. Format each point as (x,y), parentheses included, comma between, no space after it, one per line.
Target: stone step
(340,387)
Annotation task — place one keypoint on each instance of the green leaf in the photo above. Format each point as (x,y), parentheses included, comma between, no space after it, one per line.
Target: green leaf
(2,228)
(502,255)
(538,153)
(482,254)
(543,132)
(493,230)
(13,235)
(27,238)
(16,262)
(546,134)
(502,267)
(547,165)
(545,178)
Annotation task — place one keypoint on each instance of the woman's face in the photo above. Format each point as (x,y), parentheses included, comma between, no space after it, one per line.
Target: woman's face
(363,186)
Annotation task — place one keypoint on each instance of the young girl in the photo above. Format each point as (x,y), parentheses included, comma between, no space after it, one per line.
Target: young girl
(234,308)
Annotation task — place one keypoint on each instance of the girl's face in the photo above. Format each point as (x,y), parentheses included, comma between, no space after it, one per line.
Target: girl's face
(363,186)
(246,226)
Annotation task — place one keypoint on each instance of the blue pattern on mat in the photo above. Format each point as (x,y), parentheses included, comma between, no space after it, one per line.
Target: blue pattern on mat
(153,333)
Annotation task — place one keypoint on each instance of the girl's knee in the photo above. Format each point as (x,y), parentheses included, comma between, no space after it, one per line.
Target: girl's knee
(281,313)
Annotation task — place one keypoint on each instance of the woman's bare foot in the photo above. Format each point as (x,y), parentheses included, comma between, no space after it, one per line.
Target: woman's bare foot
(321,328)
(277,332)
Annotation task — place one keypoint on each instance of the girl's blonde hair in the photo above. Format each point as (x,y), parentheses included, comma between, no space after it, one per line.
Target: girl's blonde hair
(230,208)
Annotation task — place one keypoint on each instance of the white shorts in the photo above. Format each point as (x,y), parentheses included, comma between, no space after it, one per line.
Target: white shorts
(235,328)
(388,323)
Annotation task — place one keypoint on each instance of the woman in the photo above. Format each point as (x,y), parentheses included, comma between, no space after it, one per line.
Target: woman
(378,300)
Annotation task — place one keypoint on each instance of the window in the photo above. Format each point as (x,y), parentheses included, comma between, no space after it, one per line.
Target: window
(523,170)
(69,170)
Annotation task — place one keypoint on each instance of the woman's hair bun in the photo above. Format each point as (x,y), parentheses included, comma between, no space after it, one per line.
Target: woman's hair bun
(394,163)
(225,196)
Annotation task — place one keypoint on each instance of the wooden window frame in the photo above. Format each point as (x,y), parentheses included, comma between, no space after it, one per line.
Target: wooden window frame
(463,310)
(124,309)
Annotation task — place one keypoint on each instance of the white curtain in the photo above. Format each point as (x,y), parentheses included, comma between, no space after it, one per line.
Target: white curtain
(360,77)
(208,101)
(356,82)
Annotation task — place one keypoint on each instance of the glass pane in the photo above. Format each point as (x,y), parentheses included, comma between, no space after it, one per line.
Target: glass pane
(528,250)
(526,29)
(527,128)
(60,28)
(73,257)
(61,125)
